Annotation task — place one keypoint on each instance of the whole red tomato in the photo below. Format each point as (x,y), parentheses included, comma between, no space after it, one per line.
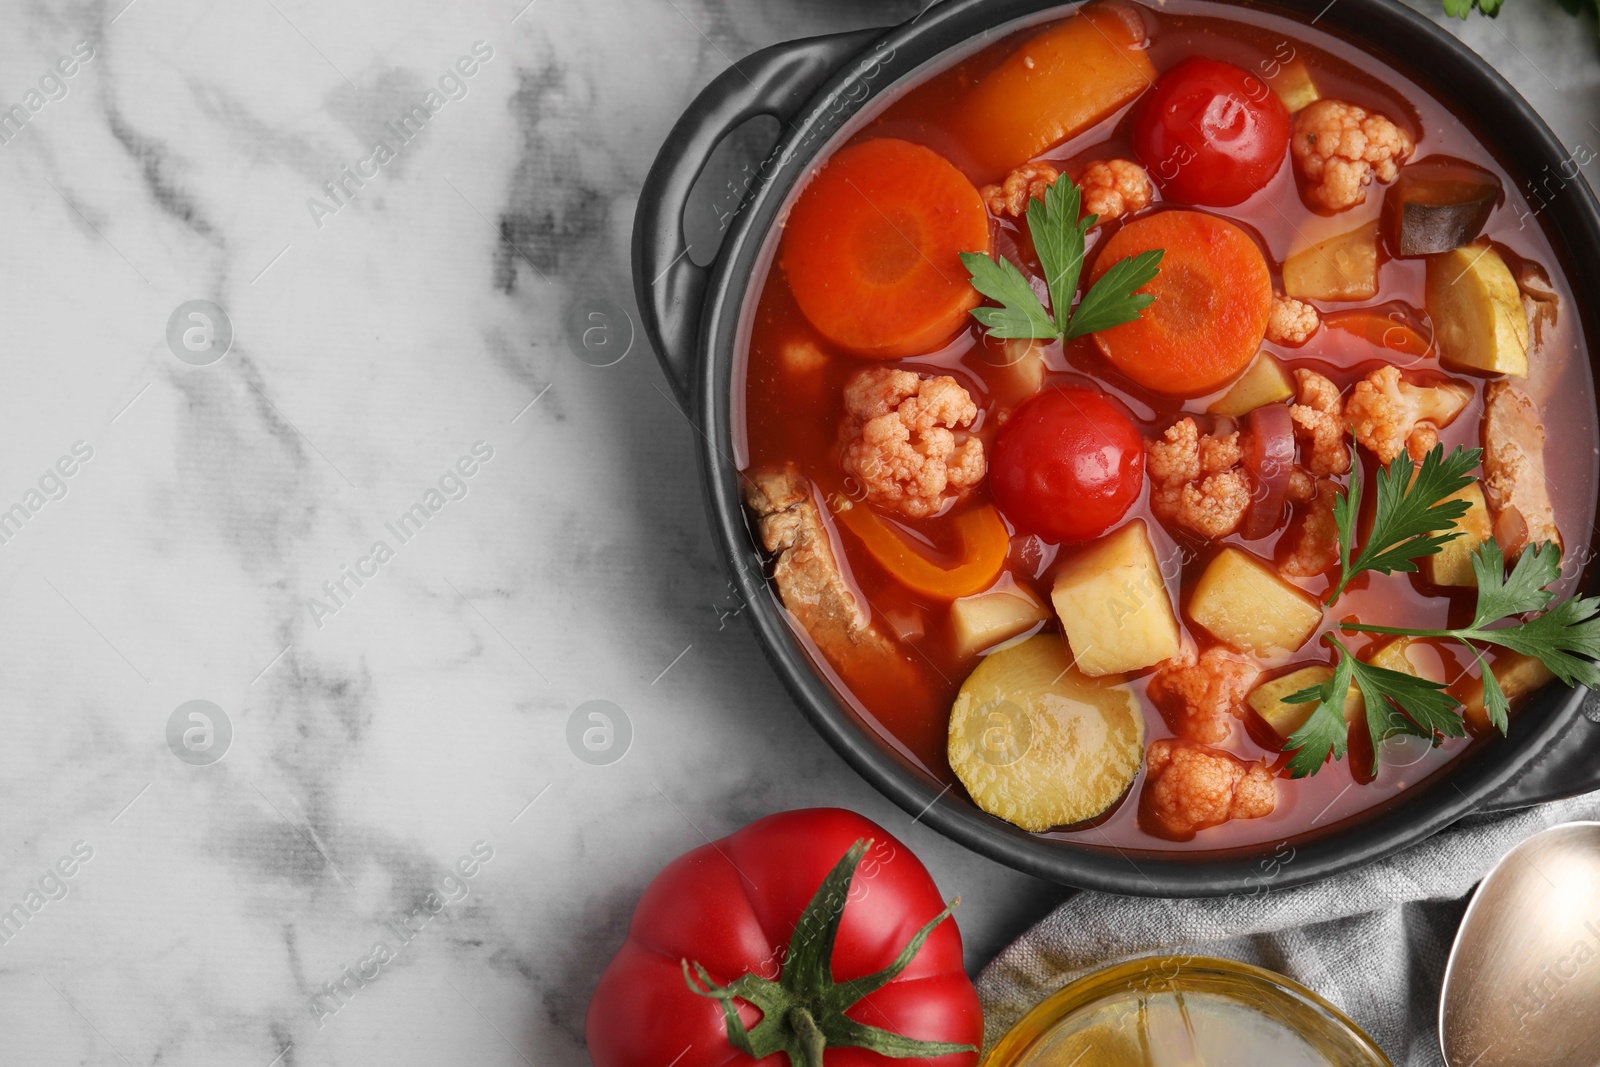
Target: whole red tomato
(748,916)
(1211,133)
(1067,465)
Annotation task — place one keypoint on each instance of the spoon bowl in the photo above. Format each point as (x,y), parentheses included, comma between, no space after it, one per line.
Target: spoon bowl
(1523,981)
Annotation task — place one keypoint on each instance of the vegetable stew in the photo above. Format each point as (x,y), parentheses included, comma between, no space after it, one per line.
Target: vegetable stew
(1105,391)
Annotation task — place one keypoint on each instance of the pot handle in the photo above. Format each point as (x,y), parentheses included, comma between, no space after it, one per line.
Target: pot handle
(1569,767)
(670,287)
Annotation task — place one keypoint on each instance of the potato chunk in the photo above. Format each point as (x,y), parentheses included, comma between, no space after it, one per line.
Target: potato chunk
(986,619)
(1343,267)
(1265,382)
(1113,605)
(1452,564)
(1293,85)
(1477,312)
(1242,602)
(1037,743)
(1396,656)
(1267,700)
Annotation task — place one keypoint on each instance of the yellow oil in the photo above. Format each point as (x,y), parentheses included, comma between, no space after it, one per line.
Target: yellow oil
(1185,1012)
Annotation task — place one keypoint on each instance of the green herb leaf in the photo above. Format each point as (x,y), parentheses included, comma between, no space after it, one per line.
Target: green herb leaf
(1523,591)
(1325,732)
(1495,704)
(1115,298)
(1020,314)
(1425,704)
(1059,239)
(1412,519)
(1462,8)
(1565,639)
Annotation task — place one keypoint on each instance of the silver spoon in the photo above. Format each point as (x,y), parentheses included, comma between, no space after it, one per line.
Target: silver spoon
(1522,988)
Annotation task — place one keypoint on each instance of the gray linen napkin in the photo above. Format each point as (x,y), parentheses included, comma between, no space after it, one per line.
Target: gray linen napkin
(1374,941)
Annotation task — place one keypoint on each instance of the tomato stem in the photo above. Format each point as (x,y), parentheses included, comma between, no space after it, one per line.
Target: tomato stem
(812,1040)
(803,1012)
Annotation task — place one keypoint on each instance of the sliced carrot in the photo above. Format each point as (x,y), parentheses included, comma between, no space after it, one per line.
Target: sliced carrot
(1056,85)
(872,249)
(985,542)
(1382,331)
(1212,300)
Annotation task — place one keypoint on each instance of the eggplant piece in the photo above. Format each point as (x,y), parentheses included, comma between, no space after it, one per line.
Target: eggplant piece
(1436,207)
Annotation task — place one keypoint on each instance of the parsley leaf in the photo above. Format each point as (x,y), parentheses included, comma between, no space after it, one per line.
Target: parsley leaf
(1515,610)
(1427,709)
(1412,519)
(1565,637)
(1059,239)
(1462,8)
(1020,314)
(1115,298)
(1325,731)
(1523,591)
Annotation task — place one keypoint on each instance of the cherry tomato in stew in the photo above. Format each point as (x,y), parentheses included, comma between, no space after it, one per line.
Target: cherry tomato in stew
(1211,133)
(1067,465)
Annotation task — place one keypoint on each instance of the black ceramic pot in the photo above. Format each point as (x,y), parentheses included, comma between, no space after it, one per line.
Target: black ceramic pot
(692,316)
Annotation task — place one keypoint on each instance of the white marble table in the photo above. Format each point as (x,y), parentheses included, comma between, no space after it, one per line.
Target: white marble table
(182,522)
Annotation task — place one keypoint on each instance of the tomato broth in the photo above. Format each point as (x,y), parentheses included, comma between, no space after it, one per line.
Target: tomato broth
(787,416)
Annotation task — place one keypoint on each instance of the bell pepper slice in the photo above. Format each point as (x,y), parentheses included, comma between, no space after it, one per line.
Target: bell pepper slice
(1382,331)
(985,543)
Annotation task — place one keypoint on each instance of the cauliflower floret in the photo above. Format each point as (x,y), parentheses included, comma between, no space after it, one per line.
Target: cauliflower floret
(899,441)
(1201,697)
(1195,480)
(1388,413)
(803,356)
(1190,787)
(1292,321)
(1319,422)
(1315,541)
(1339,146)
(1027,182)
(1113,188)
(1302,487)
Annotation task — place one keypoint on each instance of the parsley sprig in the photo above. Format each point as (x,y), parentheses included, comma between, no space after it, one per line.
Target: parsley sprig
(1462,8)
(1515,611)
(1058,237)
(1413,517)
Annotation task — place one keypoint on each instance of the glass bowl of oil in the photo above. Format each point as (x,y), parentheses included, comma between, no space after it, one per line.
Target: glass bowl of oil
(1185,1011)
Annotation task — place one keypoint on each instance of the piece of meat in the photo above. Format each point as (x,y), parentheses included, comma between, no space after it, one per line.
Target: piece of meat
(1201,696)
(899,440)
(1195,480)
(1338,147)
(1292,321)
(1319,423)
(1514,484)
(1027,182)
(807,574)
(1388,413)
(1314,537)
(1113,188)
(1189,787)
